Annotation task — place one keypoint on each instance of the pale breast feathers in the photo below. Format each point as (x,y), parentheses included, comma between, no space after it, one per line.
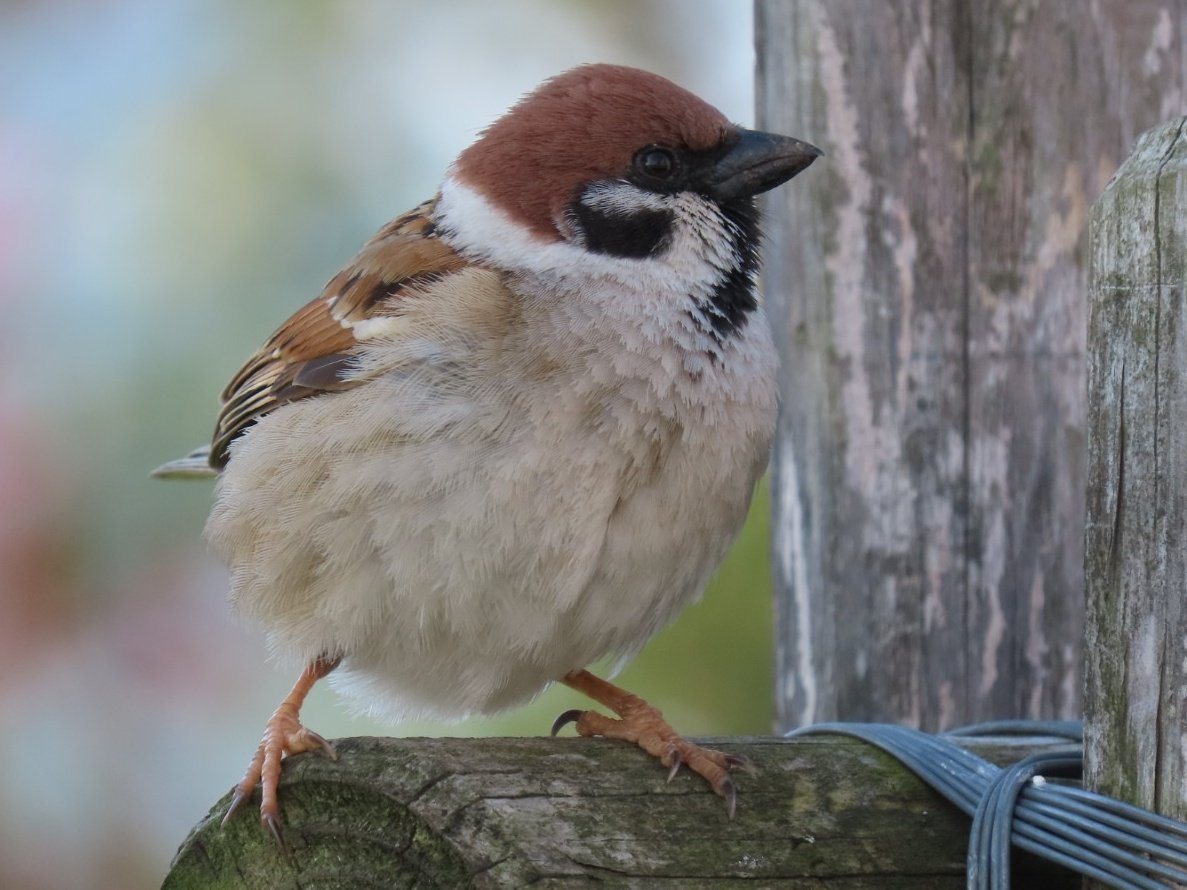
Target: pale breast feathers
(313,351)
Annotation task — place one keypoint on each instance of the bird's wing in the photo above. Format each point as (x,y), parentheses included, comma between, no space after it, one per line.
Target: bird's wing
(313,351)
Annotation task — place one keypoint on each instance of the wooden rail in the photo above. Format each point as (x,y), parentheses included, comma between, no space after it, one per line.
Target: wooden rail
(561,813)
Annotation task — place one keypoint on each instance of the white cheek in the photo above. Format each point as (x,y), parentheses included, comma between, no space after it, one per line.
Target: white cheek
(697,257)
(621,197)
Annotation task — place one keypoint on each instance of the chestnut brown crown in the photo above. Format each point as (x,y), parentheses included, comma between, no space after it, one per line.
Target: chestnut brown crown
(585,125)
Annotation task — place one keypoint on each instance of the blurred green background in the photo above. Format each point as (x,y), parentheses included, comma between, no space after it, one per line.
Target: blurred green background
(175,179)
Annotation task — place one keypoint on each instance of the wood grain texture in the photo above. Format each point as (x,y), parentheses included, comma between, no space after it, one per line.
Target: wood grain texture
(491,813)
(1136,541)
(927,281)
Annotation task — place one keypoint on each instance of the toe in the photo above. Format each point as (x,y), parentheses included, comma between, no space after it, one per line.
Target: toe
(247,785)
(237,800)
(307,740)
(713,767)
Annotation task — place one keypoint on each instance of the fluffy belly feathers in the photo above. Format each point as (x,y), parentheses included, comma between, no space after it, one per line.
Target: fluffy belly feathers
(457,569)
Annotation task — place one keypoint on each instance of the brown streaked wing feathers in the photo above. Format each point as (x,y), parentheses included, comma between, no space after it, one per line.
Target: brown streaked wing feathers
(312,352)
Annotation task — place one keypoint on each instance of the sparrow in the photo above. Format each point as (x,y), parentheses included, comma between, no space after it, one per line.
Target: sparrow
(519,430)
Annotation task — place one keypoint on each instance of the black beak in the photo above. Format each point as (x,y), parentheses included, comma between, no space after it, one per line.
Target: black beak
(756,163)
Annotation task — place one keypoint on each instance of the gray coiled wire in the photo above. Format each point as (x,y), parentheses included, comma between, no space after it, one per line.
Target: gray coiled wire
(1035,805)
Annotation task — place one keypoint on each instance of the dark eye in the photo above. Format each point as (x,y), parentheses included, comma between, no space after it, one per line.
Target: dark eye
(656,162)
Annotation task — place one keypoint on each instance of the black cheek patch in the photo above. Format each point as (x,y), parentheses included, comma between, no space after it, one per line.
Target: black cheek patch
(628,233)
(732,302)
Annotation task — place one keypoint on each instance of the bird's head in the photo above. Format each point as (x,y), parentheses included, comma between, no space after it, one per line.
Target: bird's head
(619,173)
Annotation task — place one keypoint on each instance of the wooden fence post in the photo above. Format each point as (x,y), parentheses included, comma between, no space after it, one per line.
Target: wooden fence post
(927,286)
(1136,541)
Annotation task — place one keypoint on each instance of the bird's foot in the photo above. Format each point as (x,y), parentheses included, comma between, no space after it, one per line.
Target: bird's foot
(643,725)
(283,735)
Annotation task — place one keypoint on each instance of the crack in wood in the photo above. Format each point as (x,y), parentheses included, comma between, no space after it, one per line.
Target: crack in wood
(968,546)
(1119,497)
(429,786)
(1157,480)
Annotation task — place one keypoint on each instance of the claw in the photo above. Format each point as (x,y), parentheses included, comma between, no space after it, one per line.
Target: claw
(730,794)
(737,761)
(272,822)
(570,716)
(237,800)
(677,762)
(323,746)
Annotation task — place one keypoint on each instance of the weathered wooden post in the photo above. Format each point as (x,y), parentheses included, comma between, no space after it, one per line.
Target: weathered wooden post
(928,289)
(1136,542)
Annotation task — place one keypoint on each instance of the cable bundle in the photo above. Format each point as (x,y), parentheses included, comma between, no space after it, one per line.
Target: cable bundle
(1035,805)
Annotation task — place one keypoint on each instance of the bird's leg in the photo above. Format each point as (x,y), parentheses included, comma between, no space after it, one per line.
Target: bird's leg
(643,725)
(283,734)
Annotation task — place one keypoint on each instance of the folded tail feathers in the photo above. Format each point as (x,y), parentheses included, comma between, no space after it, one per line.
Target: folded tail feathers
(195,465)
